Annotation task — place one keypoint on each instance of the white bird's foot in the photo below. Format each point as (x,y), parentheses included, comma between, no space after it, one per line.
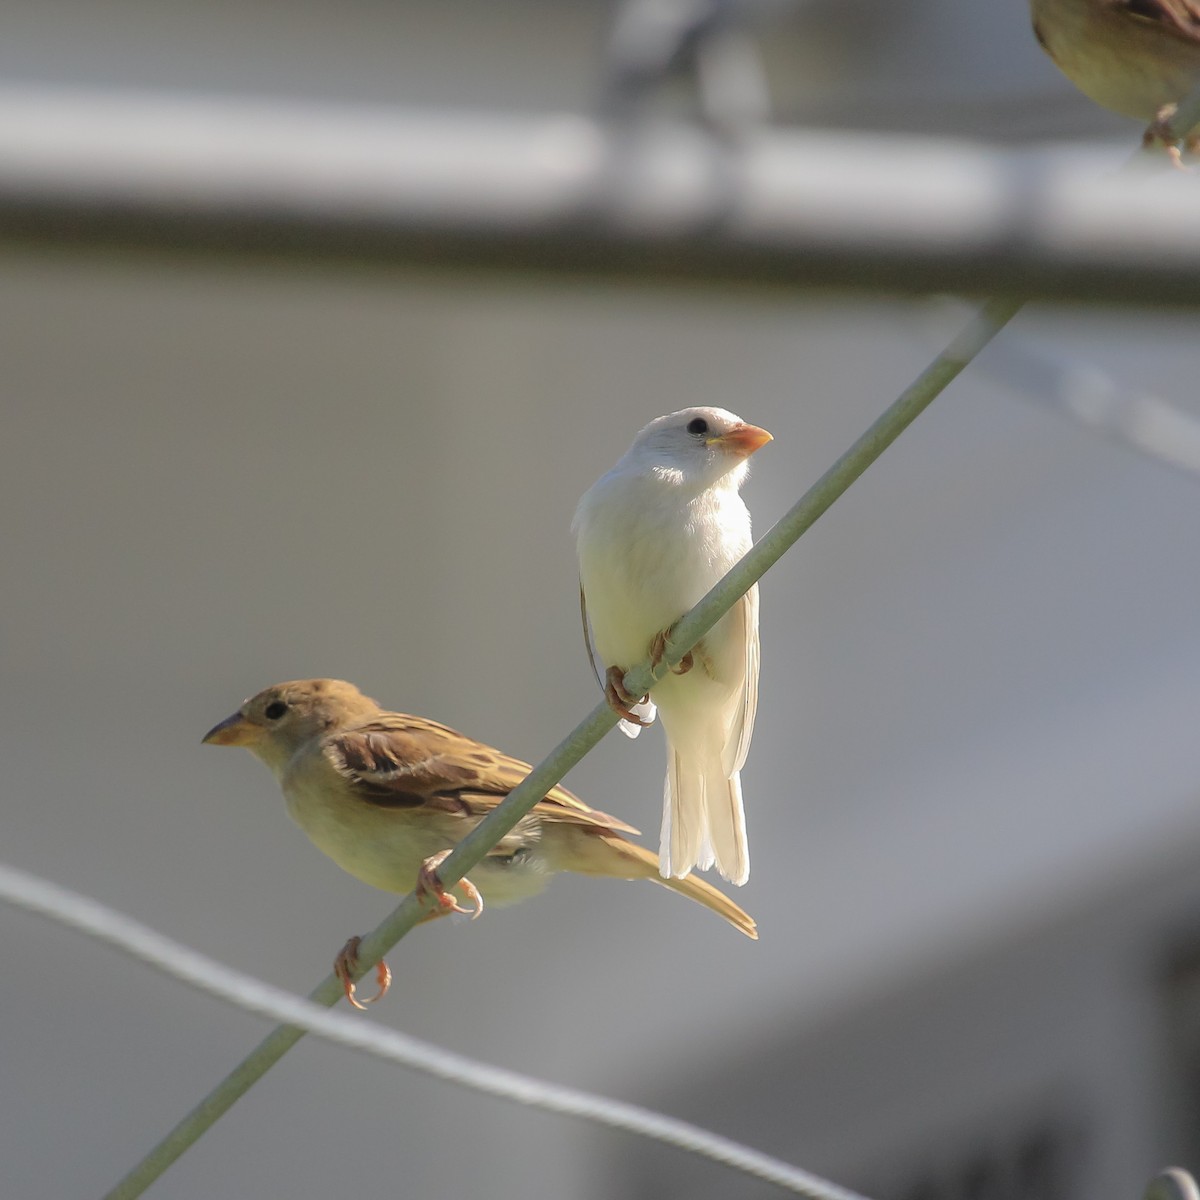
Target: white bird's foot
(658,647)
(428,884)
(619,700)
(346,964)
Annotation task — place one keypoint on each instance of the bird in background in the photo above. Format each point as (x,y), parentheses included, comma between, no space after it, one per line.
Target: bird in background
(654,535)
(387,796)
(1136,57)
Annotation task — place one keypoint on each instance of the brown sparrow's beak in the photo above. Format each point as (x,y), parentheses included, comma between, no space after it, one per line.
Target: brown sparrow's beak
(743,440)
(233,731)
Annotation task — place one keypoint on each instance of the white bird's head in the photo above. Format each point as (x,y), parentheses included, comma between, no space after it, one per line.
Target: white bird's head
(697,447)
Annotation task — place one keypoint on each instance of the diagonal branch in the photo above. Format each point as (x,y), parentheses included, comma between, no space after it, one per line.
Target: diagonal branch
(993,316)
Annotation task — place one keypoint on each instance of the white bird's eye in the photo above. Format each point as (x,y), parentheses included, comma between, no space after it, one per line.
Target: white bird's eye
(698,426)
(275,710)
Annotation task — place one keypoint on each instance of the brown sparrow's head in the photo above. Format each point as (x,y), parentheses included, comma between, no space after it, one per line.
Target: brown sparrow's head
(275,723)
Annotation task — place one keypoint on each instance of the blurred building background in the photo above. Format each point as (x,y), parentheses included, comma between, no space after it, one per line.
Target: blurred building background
(973,790)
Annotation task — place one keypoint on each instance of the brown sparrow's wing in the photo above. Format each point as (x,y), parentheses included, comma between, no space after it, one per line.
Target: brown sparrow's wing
(1179,17)
(400,761)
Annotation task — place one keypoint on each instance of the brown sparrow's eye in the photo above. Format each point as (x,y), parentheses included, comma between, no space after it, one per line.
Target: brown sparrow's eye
(697,425)
(275,710)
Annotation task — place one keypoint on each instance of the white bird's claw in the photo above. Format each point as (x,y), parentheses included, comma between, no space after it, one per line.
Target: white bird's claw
(645,711)
(628,708)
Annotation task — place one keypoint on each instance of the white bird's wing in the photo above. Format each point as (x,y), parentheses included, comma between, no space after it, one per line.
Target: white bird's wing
(646,709)
(745,705)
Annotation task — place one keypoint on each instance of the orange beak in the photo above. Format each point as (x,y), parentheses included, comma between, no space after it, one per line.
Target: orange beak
(744,439)
(233,731)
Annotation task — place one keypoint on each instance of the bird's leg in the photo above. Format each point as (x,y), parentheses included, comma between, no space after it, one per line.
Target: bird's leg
(346,964)
(1160,133)
(619,700)
(658,647)
(684,665)
(428,884)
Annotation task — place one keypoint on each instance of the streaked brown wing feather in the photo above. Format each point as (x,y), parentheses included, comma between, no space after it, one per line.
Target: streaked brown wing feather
(1181,17)
(401,761)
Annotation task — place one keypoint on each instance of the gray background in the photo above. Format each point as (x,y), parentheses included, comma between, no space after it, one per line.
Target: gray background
(972,793)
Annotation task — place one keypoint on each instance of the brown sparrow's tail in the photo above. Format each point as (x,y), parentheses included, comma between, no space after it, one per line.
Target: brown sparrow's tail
(704,893)
(603,852)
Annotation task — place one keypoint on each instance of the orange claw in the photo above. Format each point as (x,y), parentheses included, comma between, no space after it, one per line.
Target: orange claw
(1160,133)
(658,647)
(346,964)
(619,700)
(428,884)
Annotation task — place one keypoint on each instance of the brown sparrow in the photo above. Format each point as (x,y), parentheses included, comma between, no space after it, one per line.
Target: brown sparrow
(387,796)
(1136,57)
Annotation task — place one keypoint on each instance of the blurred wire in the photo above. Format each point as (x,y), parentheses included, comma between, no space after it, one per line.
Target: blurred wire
(505,193)
(1087,395)
(37,895)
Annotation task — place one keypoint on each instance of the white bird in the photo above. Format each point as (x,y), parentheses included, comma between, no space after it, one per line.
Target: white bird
(654,535)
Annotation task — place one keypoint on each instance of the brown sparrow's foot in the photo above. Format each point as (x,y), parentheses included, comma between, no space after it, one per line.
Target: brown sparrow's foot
(1160,133)
(346,964)
(428,884)
(619,700)
(658,647)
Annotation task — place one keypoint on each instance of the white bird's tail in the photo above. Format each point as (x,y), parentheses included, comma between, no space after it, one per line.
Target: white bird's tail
(703,820)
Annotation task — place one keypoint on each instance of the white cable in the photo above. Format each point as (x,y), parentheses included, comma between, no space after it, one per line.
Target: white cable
(37,895)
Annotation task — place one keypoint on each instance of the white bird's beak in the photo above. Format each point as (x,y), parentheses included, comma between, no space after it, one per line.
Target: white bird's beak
(742,440)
